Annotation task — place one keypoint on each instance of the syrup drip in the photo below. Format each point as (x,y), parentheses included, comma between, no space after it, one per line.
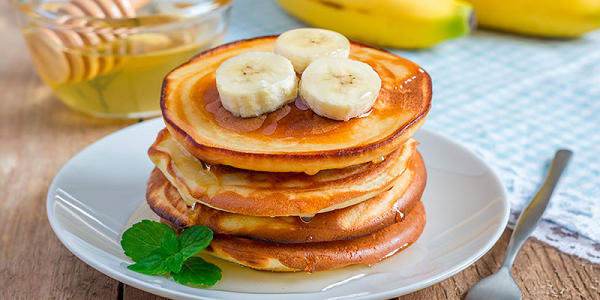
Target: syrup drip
(205,166)
(378,160)
(409,80)
(390,254)
(309,238)
(394,251)
(270,129)
(310,265)
(276,117)
(399,215)
(311,172)
(366,114)
(306,219)
(213,107)
(300,105)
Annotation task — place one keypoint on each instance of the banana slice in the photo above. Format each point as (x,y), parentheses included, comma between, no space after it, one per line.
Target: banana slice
(254,83)
(339,88)
(305,45)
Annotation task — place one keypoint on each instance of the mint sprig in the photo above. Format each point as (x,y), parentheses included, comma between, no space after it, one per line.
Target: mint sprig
(156,249)
(198,271)
(193,240)
(143,237)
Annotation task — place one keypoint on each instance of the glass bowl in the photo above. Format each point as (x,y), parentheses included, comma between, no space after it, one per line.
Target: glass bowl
(108,57)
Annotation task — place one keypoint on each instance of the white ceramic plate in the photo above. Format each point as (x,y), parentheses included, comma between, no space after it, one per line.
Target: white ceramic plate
(100,193)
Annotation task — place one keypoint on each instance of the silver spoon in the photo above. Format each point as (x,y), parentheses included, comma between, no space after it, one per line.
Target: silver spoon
(501,285)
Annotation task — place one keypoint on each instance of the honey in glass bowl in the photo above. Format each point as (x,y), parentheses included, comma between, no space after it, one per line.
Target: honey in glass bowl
(114,67)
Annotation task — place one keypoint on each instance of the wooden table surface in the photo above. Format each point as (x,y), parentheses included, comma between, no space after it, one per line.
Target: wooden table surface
(38,135)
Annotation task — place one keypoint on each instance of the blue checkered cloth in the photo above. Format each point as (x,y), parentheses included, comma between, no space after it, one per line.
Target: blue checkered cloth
(513,101)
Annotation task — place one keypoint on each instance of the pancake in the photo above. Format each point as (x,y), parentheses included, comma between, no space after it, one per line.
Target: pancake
(311,257)
(292,138)
(358,220)
(258,193)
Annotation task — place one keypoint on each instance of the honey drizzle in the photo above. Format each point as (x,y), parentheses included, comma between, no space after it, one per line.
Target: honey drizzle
(270,129)
(400,216)
(278,115)
(213,106)
(300,105)
(299,109)
(306,219)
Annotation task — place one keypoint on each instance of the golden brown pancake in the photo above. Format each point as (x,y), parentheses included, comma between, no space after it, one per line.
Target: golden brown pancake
(258,193)
(292,139)
(351,222)
(311,257)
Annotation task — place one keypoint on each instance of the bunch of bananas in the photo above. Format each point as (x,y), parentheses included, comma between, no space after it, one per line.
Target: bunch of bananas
(544,18)
(407,24)
(412,24)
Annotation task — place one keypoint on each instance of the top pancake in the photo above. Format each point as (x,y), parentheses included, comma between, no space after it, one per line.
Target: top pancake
(292,138)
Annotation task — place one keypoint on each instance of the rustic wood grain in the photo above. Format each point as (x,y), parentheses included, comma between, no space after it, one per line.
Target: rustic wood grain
(38,135)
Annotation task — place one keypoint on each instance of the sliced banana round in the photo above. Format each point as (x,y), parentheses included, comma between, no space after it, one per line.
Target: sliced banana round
(339,88)
(305,45)
(254,83)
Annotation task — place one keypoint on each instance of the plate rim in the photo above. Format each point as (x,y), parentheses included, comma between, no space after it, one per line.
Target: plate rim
(165,292)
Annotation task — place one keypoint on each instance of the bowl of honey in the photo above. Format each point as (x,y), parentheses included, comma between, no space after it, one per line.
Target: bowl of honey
(108,58)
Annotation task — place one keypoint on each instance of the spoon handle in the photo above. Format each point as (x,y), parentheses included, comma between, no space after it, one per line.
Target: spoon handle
(533,212)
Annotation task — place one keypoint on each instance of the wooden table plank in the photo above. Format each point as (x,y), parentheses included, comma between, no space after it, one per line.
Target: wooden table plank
(38,135)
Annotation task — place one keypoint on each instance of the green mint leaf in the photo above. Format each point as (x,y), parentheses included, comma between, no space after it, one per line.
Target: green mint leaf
(174,262)
(157,250)
(152,264)
(161,260)
(169,247)
(144,237)
(197,271)
(193,240)
(169,244)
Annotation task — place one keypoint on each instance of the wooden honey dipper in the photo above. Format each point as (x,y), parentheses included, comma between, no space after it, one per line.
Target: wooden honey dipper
(60,66)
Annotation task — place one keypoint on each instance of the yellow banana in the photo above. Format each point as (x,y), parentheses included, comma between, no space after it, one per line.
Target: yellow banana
(545,18)
(405,24)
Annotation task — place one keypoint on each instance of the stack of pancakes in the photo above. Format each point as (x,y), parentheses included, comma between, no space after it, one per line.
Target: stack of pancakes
(291,190)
